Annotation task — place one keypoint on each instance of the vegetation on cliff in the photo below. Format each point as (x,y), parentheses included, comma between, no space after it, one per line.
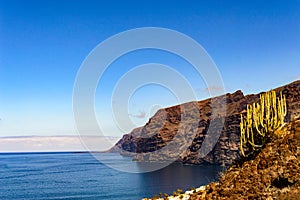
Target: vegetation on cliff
(167,125)
(263,119)
(273,173)
(270,165)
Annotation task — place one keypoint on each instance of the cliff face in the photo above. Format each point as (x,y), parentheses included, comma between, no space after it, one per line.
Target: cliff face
(273,174)
(182,129)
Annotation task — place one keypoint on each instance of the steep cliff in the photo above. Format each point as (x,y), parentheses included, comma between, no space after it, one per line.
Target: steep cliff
(179,132)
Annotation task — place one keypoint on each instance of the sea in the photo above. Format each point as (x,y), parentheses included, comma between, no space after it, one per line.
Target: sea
(71,175)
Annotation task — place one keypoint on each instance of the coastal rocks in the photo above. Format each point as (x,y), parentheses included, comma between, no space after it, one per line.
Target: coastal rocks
(198,132)
(179,195)
(273,174)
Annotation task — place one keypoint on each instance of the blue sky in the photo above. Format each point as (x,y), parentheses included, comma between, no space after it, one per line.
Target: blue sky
(255,45)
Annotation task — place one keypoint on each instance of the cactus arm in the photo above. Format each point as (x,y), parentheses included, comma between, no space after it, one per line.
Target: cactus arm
(262,119)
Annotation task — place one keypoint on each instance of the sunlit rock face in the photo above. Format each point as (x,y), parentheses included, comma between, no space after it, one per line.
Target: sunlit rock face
(182,129)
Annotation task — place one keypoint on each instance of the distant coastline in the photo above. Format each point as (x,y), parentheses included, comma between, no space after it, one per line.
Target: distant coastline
(73,143)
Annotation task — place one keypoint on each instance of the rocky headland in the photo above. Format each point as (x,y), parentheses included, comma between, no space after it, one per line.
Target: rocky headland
(185,127)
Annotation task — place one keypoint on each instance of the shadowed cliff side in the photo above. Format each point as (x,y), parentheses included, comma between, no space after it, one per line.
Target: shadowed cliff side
(273,174)
(185,130)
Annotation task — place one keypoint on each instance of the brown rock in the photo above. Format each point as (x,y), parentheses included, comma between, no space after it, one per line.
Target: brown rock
(187,125)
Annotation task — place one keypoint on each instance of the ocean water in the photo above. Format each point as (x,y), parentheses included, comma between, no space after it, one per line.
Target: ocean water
(81,176)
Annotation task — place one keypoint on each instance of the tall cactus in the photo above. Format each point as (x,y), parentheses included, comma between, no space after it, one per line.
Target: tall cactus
(261,120)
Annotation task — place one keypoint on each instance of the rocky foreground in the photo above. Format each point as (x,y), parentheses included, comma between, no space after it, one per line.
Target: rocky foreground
(272,174)
(190,123)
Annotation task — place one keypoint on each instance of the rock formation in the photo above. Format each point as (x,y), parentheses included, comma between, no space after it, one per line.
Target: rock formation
(273,174)
(179,132)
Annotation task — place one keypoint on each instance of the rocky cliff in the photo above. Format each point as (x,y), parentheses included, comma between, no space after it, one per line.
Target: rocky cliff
(273,174)
(182,132)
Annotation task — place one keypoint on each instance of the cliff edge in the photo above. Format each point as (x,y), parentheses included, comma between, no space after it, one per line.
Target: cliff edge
(177,127)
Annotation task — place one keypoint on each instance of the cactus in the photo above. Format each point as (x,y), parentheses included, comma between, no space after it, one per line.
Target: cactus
(262,119)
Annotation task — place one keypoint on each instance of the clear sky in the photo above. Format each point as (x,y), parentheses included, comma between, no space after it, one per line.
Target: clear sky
(255,45)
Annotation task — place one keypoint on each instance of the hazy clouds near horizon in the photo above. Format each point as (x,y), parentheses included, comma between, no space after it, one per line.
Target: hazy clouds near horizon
(55,143)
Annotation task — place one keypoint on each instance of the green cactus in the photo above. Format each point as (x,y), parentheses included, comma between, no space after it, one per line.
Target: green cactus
(262,119)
